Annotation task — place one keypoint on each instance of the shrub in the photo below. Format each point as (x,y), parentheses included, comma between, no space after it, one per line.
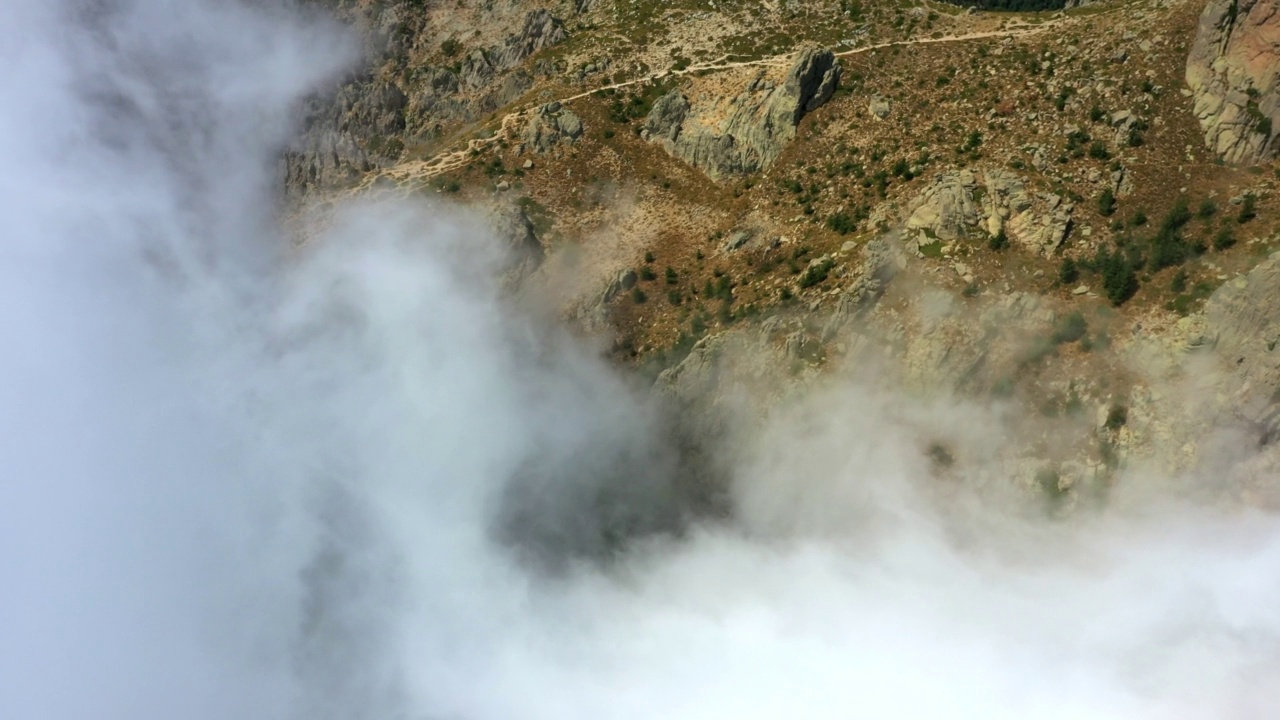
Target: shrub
(1168,248)
(1207,209)
(1117,417)
(1050,483)
(674,297)
(673,277)
(646,273)
(999,241)
(638,295)
(1107,202)
(1119,276)
(842,223)
(1139,219)
(1179,283)
(1098,151)
(1069,329)
(648,257)
(450,47)
(1180,215)
(817,273)
(1248,209)
(1224,239)
(1068,271)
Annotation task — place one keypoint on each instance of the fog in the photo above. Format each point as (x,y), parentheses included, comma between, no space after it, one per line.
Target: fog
(356,480)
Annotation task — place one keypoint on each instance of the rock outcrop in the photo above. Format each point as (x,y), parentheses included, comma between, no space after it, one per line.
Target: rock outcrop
(1233,71)
(551,125)
(347,134)
(365,122)
(745,133)
(524,250)
(541,30)
(962,204)
(1244,319)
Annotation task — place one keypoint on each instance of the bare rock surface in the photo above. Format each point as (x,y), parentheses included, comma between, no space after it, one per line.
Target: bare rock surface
(964,204)
(1233,71)
(551,125)
(745,133)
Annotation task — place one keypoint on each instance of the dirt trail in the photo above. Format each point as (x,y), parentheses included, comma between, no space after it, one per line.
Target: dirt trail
(452,160)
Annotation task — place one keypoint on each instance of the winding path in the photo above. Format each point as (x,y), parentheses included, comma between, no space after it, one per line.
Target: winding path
(452,160)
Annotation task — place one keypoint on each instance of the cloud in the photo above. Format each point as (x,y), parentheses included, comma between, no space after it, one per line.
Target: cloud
(354,480)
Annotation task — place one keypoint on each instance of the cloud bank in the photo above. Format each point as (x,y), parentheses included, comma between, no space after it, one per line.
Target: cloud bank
(247,481)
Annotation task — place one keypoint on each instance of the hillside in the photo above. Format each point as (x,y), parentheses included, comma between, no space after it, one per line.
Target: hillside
(1058,207)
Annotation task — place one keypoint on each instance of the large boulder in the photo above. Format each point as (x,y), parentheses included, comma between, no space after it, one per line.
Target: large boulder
(551,125)
(747,132)
(1233,71)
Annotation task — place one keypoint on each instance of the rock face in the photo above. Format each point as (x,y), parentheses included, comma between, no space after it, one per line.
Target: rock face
(745,133)
(551,125)
(540,30)
(365,122)
(1244,317)
(525,253)
(1233,71)
(346,134)
(961,204)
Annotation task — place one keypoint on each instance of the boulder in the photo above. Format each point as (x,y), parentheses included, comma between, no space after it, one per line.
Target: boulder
(879,107)
(747,132)
(551,125)
(1233,71)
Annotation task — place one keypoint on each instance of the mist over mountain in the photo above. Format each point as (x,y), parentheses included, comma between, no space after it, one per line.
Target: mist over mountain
(277,444)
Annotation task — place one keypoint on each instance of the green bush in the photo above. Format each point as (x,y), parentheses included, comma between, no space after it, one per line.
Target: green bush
(1248,209)
(1224,239)
(1069,329)
(817,273)
(1068,271)
(1168,248)
(999,241)
(1119,276)
(638,295)
(1107,202)
(1117,417)
(842,223)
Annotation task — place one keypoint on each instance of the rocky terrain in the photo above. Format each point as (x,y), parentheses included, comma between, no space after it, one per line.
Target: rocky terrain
(1070,210)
